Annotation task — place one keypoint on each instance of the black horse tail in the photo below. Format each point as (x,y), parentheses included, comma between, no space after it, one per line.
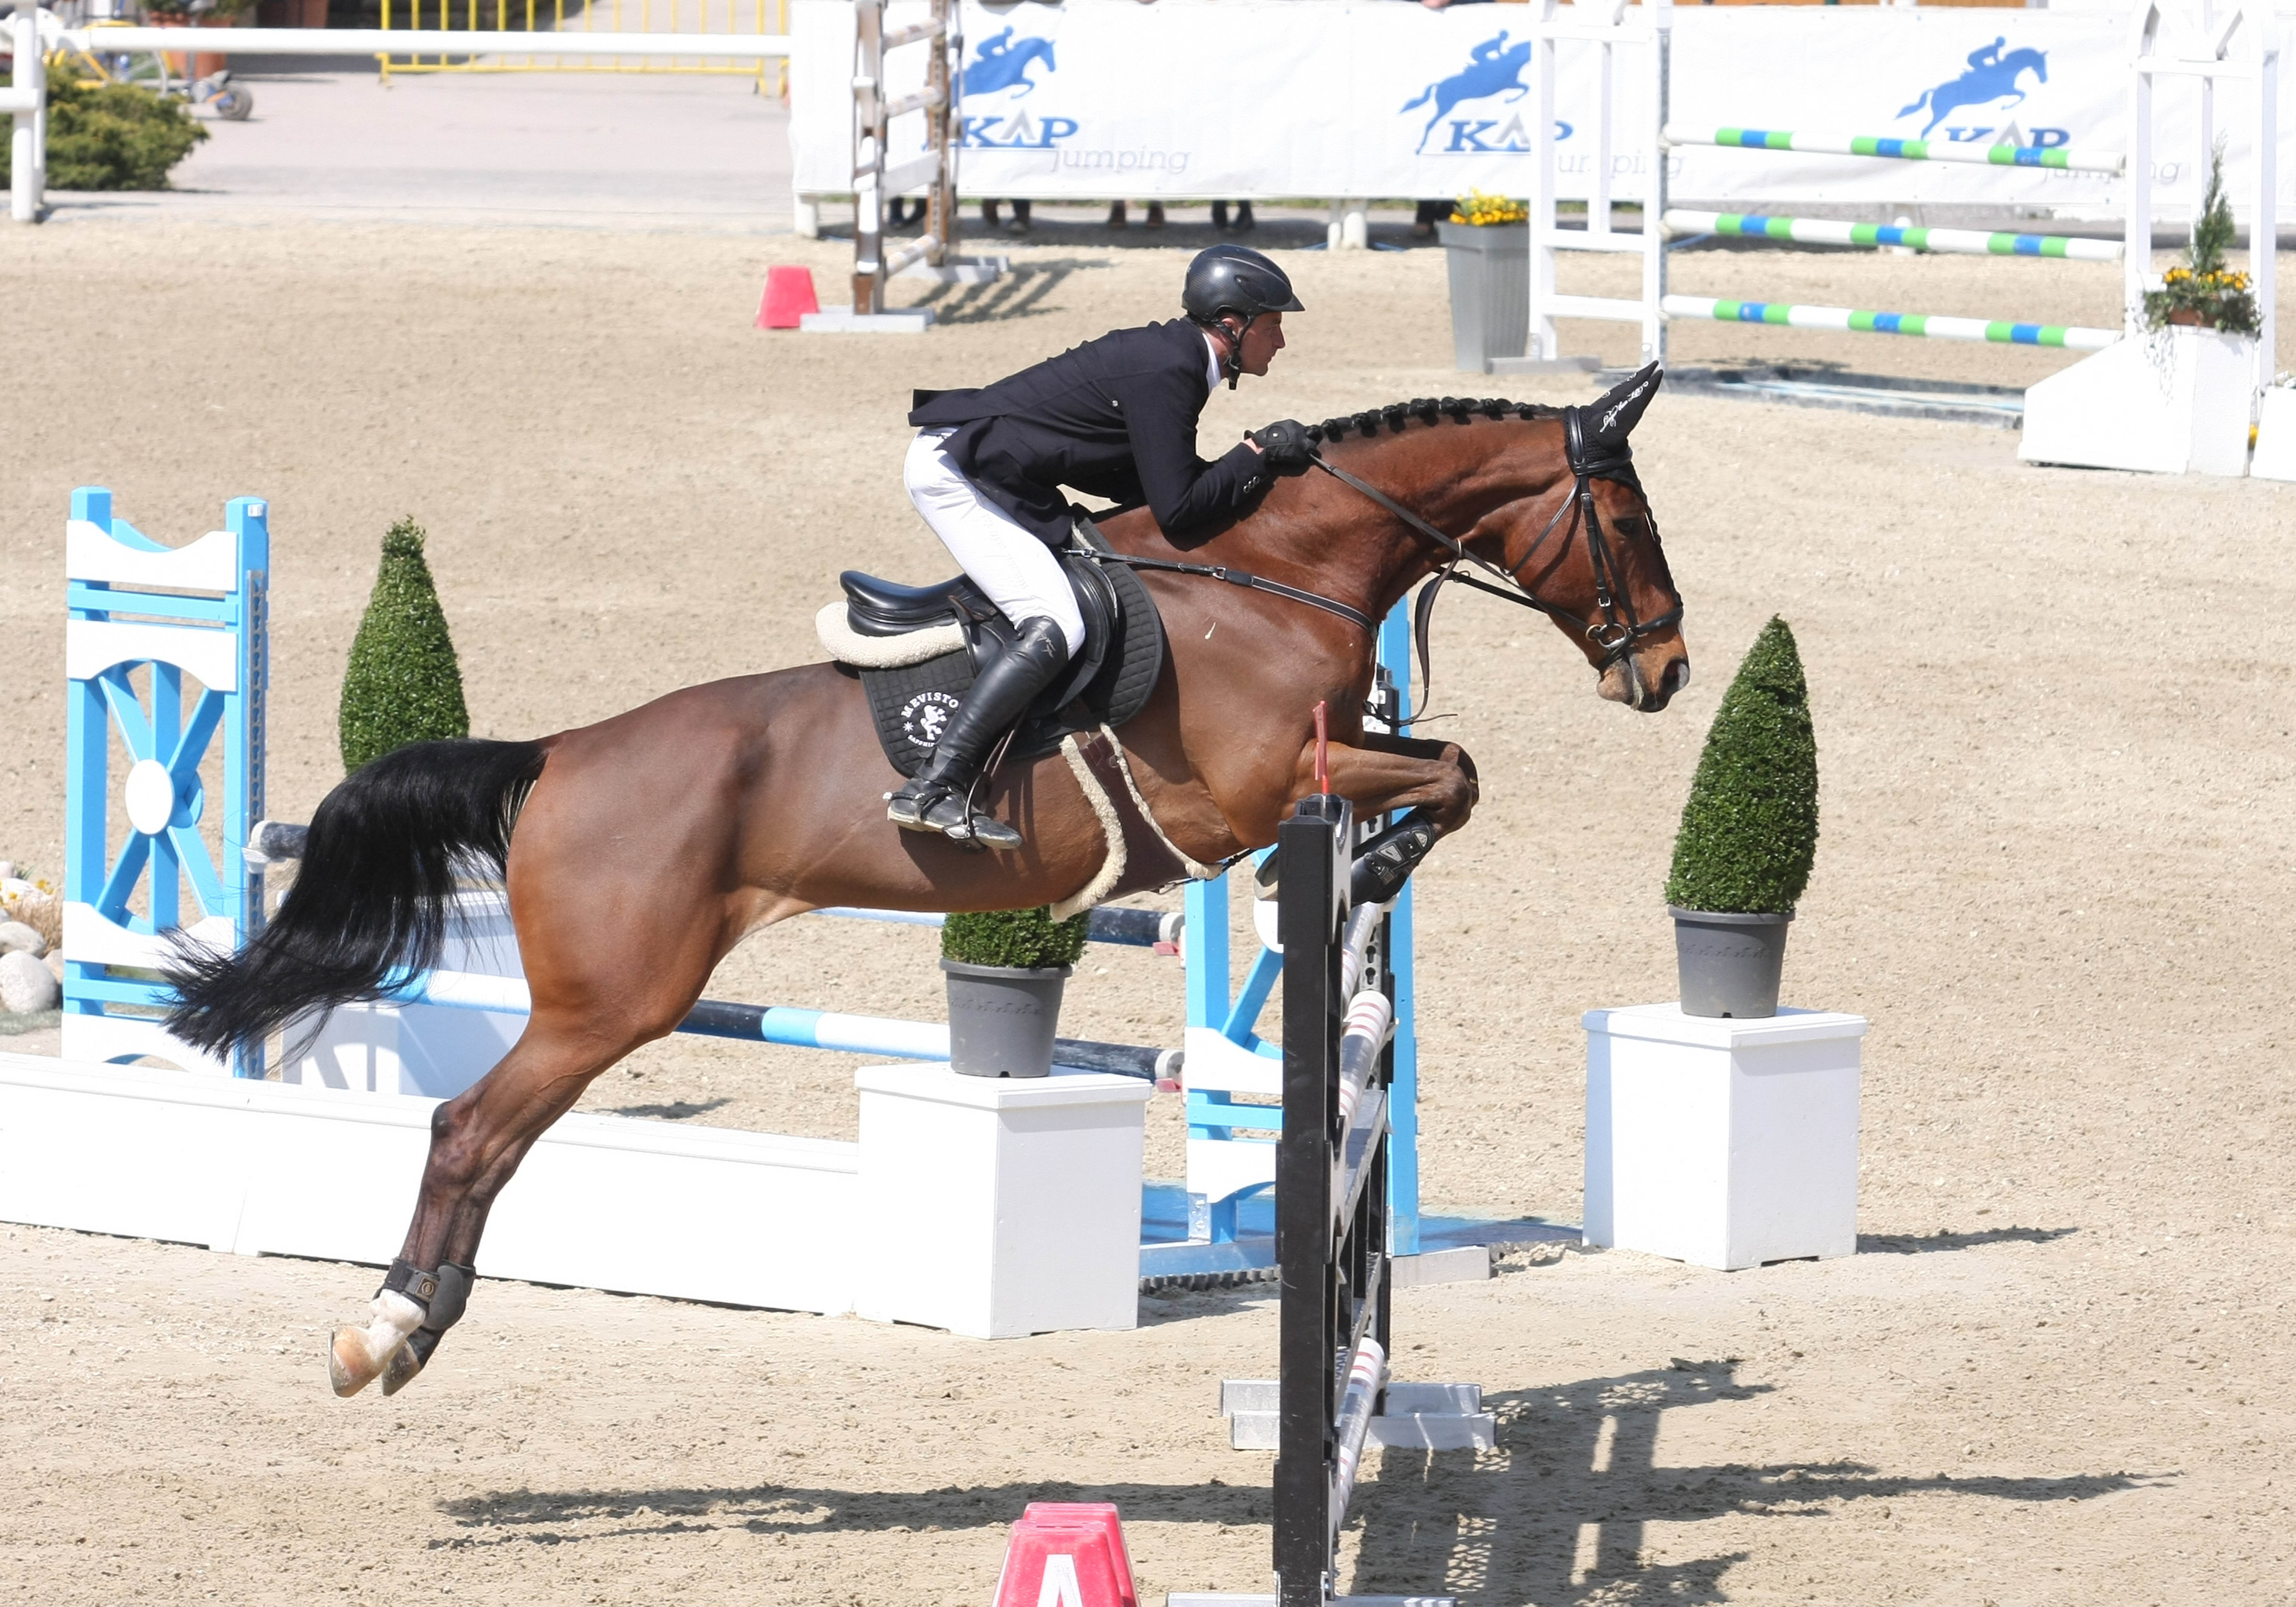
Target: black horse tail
(369,907)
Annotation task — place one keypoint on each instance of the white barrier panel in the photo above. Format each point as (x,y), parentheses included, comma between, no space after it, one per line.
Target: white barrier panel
(621,1203)
(1239,99)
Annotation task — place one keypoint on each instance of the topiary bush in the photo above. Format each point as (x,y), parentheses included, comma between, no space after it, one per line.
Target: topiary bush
(111,136)
(1024,939)
(403,684)
(1750,828)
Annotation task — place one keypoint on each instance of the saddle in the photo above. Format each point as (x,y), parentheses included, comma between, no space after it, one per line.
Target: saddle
(917,649)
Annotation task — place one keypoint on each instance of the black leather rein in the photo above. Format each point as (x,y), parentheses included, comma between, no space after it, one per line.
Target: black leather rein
(1242,578)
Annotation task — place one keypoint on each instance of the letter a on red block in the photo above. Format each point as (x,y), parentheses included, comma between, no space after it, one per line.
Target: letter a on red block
(1051,1562)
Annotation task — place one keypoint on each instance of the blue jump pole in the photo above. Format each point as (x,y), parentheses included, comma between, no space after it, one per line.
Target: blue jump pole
(795,1028)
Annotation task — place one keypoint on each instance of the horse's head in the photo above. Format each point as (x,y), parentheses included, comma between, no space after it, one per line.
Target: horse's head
(1589,552)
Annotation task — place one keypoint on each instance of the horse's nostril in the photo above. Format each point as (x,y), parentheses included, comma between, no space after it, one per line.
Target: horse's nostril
(1676,677)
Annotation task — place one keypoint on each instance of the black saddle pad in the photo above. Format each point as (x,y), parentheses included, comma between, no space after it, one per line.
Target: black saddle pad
(1106,684)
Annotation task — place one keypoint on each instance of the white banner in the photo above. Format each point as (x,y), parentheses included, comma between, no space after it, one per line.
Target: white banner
(1270,99)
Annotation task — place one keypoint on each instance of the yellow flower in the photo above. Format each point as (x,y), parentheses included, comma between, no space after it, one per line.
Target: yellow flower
(1486,211)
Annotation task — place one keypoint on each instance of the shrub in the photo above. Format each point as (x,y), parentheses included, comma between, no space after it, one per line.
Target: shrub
(111,136)
(2205,290)
(1750,827)
(1024,939)
(402,684)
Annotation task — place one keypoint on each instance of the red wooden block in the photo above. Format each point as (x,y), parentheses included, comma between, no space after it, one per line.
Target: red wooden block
(788,297)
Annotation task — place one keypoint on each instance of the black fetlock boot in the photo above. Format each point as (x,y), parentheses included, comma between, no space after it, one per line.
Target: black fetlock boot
(940,798)
(450,1292)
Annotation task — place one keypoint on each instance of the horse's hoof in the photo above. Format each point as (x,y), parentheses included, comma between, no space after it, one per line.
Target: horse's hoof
(401,1370)
(350,1363)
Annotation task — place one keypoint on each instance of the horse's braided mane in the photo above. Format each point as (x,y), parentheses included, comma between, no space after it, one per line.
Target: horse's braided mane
(1428,410)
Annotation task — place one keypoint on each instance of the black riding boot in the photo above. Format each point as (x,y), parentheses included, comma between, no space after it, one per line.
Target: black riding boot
(940,798)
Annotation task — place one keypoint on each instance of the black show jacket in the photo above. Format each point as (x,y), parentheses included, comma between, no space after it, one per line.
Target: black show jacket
(1114,417)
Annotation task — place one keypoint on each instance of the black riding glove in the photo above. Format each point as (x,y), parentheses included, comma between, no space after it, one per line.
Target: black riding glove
(1284,444)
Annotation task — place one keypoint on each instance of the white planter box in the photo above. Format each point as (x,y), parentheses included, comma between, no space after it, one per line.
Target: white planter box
(1723,1142)
(2175,401)
(2275,435)
(998,1207)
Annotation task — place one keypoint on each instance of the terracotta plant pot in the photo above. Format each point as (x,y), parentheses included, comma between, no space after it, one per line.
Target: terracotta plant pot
(2188,317)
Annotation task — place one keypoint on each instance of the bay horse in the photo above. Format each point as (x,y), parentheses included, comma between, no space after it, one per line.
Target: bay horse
(639,852)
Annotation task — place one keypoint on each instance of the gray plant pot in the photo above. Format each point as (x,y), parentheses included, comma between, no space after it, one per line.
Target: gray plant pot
(1730,964)
(1490,291)
(1002,1018)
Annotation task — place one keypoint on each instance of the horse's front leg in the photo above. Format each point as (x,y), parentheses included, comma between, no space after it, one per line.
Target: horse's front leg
(1435,752)
(1387,773)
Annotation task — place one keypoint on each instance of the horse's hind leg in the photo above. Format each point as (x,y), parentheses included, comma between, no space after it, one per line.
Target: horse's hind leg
(595,998)
(477,1141)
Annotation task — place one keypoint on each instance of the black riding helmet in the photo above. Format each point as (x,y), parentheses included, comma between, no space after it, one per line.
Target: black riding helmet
(1234,279)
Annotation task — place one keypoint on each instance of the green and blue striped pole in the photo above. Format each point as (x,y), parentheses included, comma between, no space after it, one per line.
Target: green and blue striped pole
(1824,231)
(2054,157)
(1922,325)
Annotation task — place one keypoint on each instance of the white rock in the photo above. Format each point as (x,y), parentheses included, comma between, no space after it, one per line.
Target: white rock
(54,961)
(7,870)
(16,936)
(27,985)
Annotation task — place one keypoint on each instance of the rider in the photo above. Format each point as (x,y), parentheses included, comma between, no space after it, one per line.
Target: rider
(1114,417)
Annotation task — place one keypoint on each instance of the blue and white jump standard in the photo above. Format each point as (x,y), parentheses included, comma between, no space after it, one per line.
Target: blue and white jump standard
(165,648)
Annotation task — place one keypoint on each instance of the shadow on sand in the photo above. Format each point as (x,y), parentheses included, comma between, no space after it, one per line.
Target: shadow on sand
(1526,1522)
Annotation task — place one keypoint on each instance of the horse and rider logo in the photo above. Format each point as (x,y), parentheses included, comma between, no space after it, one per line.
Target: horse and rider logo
(1000,65)
(1493,68)
(1992,79)
(1004,62)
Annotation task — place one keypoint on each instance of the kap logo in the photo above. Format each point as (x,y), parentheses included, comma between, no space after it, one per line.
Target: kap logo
(1494,67)
(1994,80)
(1001,67)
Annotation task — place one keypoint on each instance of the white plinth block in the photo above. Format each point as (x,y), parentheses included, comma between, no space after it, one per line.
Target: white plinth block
(2173,401)
(999,1207)
(1722,1143)
(2275,435)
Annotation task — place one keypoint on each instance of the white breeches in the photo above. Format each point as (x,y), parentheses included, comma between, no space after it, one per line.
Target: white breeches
(1018,571)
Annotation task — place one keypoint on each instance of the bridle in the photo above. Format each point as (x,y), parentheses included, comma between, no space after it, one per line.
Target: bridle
(1615,631)
(1618,629)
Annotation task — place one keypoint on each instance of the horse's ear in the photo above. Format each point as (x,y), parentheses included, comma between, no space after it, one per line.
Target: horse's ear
(1614,417)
